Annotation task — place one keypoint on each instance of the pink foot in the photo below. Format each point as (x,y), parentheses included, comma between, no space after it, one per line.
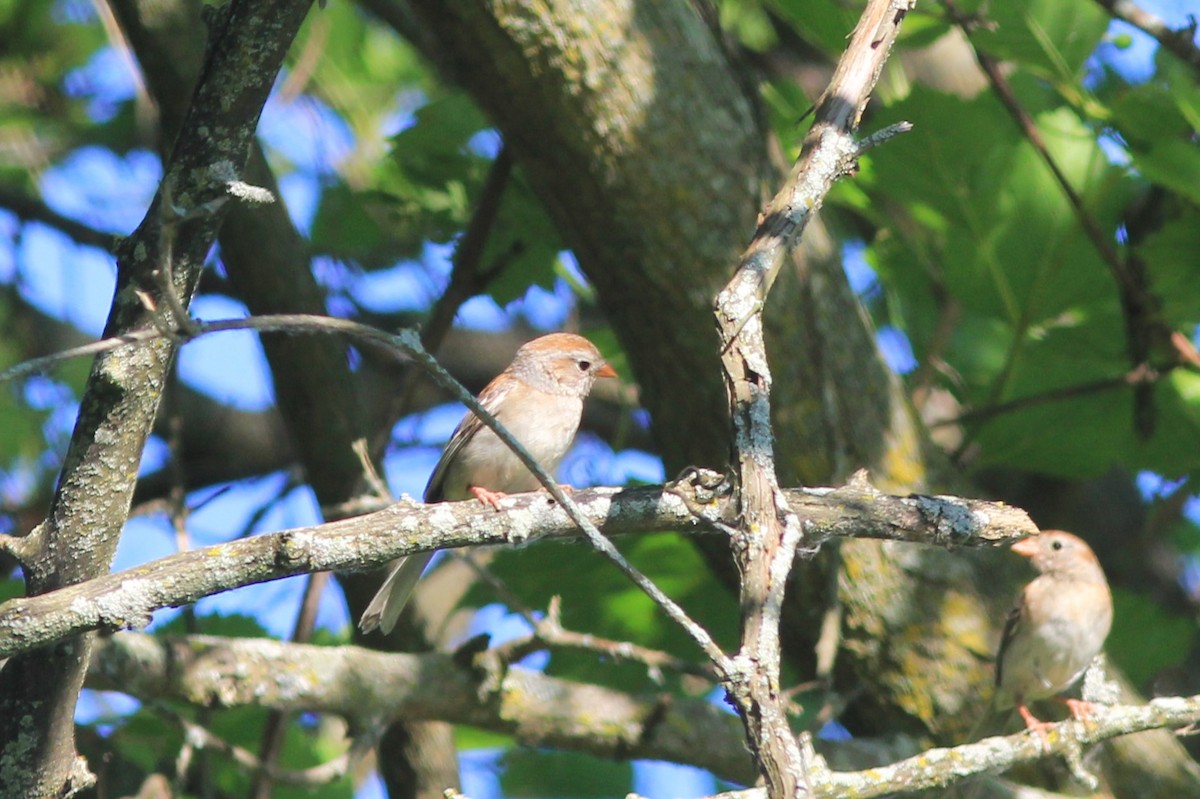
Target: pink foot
(1080,710)
(1042,728)
(487,497)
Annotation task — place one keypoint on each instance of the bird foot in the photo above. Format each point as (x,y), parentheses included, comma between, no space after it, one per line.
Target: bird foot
(1033,724)
(1080,710)
(487,497)
(493,498)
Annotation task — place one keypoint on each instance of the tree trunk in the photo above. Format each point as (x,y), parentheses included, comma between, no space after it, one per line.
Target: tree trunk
(641,134)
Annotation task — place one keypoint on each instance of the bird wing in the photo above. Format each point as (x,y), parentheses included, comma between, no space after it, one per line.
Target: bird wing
(490,398)
(1006,637)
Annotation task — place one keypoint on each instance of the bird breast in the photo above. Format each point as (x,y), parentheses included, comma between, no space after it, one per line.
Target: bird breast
(1050,651)
(487,461)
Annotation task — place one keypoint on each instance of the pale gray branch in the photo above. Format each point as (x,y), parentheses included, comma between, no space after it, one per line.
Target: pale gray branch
(371,688)
(768,534)
(127,599)
(406,345)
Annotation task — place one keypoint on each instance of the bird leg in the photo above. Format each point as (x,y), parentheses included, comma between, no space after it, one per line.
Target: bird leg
(487,497)
(1042,728)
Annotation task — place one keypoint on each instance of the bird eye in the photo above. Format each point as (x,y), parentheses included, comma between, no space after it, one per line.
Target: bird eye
(584,365)
(1056,545)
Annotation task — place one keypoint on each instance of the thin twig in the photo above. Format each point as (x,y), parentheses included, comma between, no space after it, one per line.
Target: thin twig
(511,600)
(1133,377)
(370,474)
(769,532)
(407,345)
(468,275)
(548,633)
(198,737)
(467,278)
(29,209)
(272,740)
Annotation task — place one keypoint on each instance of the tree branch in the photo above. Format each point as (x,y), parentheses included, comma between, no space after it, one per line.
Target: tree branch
(127,599)
(30,209)
(404,344)
(38,690)
(537,709)
(768,531)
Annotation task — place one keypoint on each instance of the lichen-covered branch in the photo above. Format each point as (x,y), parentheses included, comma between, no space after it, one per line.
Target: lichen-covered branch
(128,598)
(546,711)
(372,689)
(768,532)
(158,268)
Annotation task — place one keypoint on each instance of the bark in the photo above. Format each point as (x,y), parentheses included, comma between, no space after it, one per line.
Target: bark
(313,387)
(483,691)
(127,599)
(641,135)
(599,102)
(38,689)
(316,394)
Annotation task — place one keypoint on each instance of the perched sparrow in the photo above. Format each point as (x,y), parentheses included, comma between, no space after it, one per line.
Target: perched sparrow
(539,398)
(1057,628)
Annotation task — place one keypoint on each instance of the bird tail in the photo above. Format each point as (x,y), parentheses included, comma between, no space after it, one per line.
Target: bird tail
(996,720)
(393,595)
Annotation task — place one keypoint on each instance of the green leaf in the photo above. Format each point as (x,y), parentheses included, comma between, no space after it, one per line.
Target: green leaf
(1169,255)
(945,164)
(525,240)
(1180,79)
(1174,164)
(233,625)
(747,20)
(1148,113)
(825,24)
(1050,361)
(11,588)
(468,738)
(351,225)
(1050,37)
(145,738)
(533,774)
(21,436)
(598,599)
(922,30)
(1146,639)
(423,193)
(433,151)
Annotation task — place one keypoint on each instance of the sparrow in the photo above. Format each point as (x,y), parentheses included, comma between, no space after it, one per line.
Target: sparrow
(539,399)
(1056,629)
